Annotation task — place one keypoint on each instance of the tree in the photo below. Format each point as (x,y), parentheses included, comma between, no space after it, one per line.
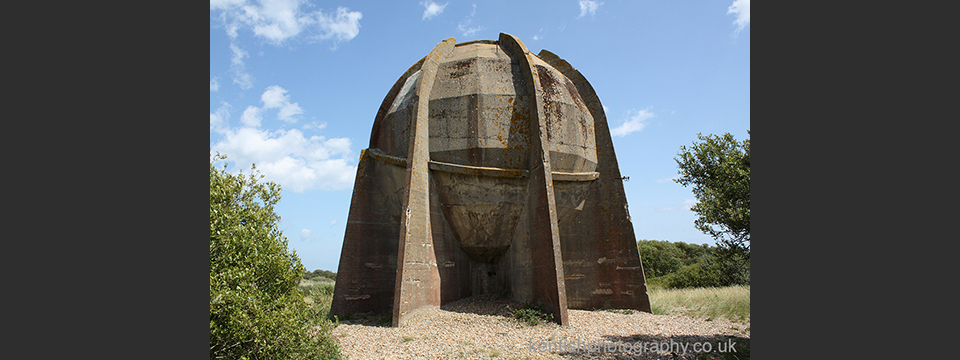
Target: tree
(719,169)
(257,310)
(659,257)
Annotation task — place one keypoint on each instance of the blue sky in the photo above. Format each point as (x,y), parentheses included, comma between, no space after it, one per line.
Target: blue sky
(295,86)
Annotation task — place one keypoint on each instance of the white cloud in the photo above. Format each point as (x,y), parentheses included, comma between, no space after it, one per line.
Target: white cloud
(685,205)
(251,116)
(238,68)
(343,27)
(666,180)
(314,125)
(587,6)
(277,21)
(214,85)
(464,27)
(304,234)
(468,31)
(432,9)
(218,119)
(742,9)
(333,222)
(238,55)
(539,35)
(225,4)
(276,97)
(635,123)
(287,157)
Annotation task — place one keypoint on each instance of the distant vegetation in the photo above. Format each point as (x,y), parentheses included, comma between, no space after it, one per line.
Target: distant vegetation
(681,265)
(696,280)
(320,274)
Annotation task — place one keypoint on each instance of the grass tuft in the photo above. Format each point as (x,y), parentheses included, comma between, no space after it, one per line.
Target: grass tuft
(531,314)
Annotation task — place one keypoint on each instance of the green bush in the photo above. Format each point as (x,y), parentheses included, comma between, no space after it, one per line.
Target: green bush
(694,275)
(659,257)
(679,265)
(693,253)
(257,310)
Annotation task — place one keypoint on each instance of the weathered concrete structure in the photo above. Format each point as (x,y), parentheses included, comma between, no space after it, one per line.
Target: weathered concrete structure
(490,171)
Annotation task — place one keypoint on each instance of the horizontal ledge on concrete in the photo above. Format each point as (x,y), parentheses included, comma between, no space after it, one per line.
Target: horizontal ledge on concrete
(565,176)
(381,156)
(478,170)
(476,42)
(481,170)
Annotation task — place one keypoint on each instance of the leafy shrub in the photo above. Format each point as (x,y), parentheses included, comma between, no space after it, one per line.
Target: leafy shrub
(678,265)
(257,310)
(659,257)
(694,275)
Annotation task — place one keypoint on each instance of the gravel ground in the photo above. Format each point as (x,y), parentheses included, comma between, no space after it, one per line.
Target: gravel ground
(480,328)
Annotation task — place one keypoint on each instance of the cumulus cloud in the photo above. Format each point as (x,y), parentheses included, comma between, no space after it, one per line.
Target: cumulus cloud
(343,26)
(741,8)
(288,157)
(304,234)
(588,6)
(431,9)
(277,21)
(214,85)
(251,116)
(296,162)
(276,97)
(635,122)
(218,119)
(689,203)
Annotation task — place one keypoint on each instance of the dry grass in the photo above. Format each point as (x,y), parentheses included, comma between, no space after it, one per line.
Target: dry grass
(729,302)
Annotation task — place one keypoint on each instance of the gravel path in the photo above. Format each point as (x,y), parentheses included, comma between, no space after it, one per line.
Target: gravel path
(480,328)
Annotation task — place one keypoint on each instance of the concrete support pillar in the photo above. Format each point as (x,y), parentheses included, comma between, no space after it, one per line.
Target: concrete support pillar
(418,279)
(548,285)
